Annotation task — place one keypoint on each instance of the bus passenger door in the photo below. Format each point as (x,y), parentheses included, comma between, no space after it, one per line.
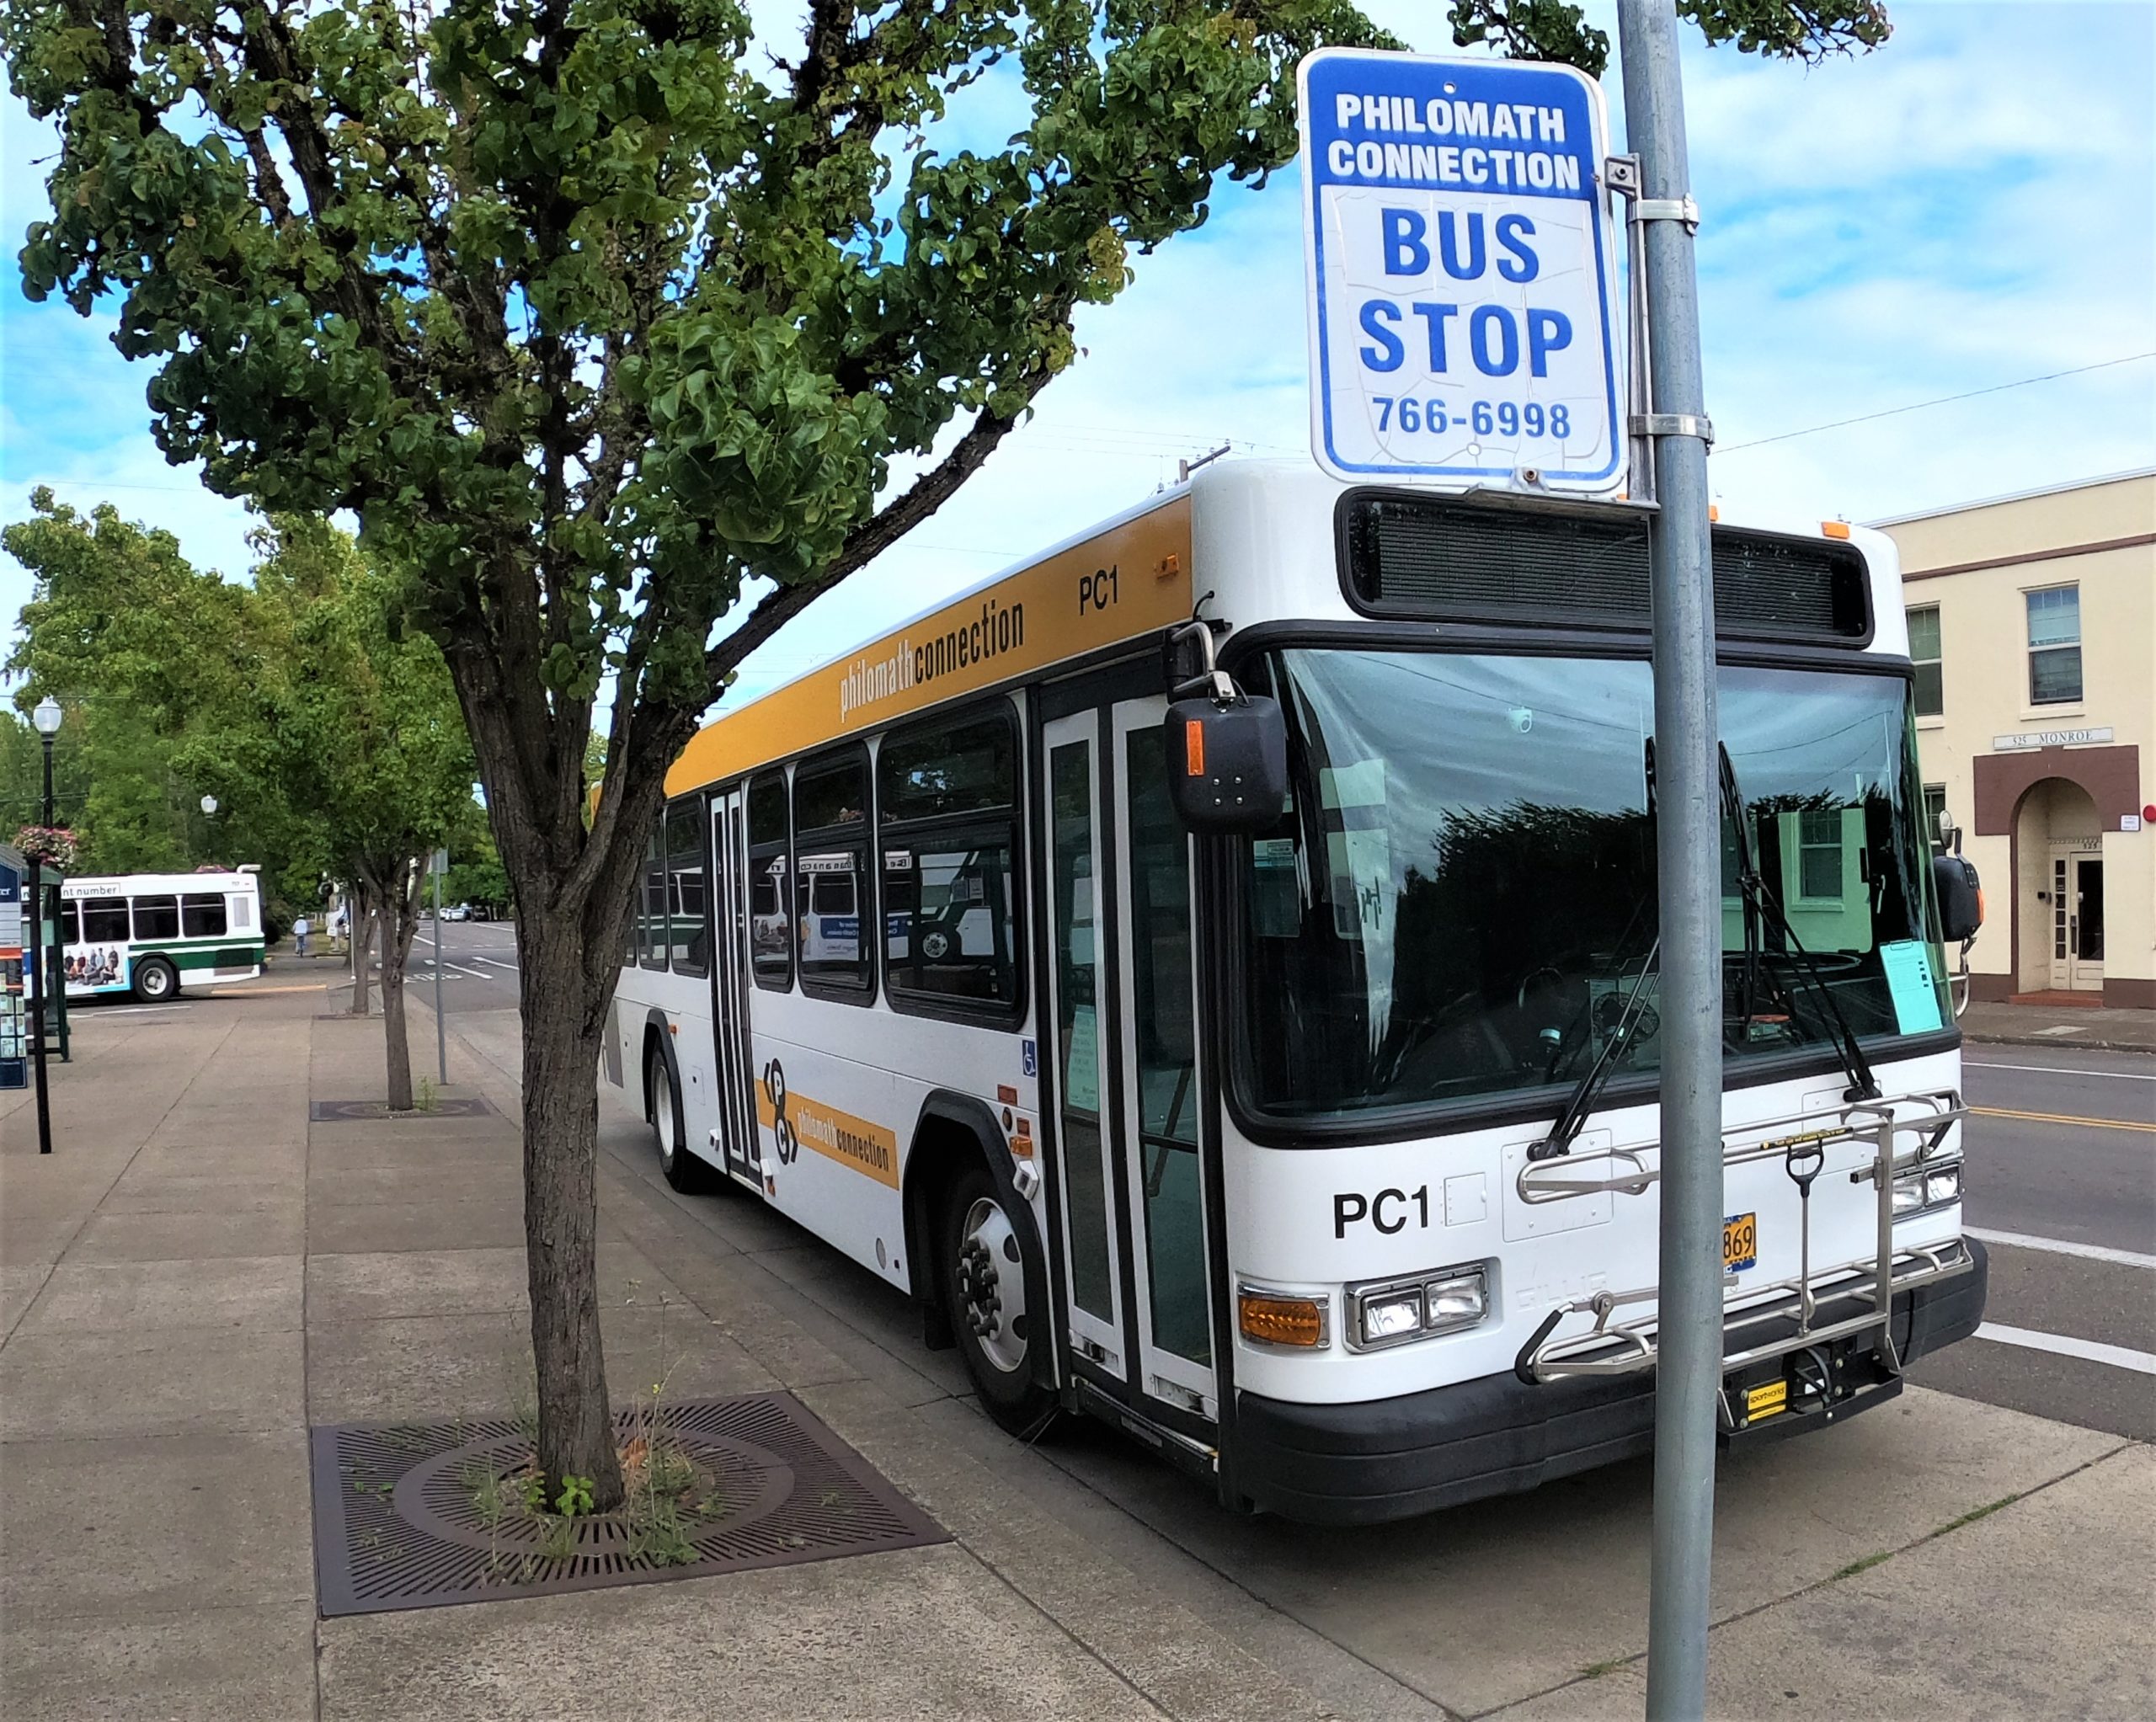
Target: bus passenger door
(1076,1039)
(1121,1034)
(729,983)
(1158,1145)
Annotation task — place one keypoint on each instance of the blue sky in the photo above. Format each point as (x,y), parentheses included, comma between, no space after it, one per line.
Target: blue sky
(1972,204)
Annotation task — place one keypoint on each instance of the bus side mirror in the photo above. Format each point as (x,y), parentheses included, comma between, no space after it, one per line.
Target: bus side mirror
(1960,897)
(1227,763)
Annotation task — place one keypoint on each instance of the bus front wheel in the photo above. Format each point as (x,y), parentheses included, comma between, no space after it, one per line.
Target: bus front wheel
(985,1291)
(155,980)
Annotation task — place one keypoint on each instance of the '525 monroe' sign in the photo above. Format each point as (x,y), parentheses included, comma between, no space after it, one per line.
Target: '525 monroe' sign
(1462,287)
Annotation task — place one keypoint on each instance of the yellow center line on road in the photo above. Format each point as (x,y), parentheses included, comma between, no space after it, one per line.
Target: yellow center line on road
(247,991)
(2063,1118)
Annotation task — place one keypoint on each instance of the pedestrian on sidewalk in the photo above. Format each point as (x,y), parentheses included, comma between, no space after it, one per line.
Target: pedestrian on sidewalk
(300,931)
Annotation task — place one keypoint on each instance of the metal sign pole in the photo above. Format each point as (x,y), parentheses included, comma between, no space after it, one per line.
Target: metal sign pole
(1688,1377)
(441,1030)
(41,979)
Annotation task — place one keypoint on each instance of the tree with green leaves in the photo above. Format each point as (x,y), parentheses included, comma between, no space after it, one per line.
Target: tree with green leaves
(625,346)
(155,665)
(363,728)
(327,729)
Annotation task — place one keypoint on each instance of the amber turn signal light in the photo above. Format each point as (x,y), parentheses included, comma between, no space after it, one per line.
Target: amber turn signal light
(1274,1319)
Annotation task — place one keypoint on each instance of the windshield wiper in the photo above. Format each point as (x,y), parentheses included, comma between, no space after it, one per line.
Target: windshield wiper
(1762,905)
(1580,1101)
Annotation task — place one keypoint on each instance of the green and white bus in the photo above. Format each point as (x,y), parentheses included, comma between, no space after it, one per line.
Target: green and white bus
(152,934)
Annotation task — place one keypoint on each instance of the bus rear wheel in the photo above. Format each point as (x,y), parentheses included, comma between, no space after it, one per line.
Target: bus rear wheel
(155,980)
(684,1171)
(984,1272)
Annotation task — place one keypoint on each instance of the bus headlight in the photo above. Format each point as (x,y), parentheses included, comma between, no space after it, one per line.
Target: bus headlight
(1393,1312)
(1926,1188)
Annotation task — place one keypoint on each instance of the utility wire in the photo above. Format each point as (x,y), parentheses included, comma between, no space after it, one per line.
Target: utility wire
(1937,401)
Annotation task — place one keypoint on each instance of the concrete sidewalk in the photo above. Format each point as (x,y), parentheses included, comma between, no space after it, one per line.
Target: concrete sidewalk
(198,1275)
(2097,1026)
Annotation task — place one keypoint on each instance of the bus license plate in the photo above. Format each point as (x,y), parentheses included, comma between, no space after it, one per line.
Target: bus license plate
(1740,1242)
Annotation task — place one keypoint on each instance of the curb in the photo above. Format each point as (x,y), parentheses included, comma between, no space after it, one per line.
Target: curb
(2026,1040)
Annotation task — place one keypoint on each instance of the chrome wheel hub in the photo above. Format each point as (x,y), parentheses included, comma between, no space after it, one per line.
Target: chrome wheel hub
(992,1285)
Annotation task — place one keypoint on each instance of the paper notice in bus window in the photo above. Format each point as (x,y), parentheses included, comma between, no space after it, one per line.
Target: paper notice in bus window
(1276,890)
(1081,1064)
(1912,985)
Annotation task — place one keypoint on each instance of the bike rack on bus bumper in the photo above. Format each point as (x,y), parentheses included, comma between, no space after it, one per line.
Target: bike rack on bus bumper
(1620,1347)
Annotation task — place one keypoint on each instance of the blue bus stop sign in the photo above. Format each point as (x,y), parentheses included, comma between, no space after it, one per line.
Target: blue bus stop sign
(1463,287)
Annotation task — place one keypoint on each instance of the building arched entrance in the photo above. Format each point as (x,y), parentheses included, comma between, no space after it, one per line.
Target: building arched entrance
(2059,850)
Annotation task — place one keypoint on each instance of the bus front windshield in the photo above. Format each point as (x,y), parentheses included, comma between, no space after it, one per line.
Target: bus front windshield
(1459,900)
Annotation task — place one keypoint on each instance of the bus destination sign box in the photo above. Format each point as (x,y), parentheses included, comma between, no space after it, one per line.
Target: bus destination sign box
(1462,286)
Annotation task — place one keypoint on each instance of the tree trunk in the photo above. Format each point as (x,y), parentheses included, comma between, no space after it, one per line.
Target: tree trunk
(362,912)
(561,1206)
(393,945)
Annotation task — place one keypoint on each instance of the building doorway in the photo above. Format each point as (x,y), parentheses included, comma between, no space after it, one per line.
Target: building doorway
(2077,917)
(2059,889)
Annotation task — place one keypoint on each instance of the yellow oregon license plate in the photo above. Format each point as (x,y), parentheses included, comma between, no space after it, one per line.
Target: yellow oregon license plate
(1740,1242)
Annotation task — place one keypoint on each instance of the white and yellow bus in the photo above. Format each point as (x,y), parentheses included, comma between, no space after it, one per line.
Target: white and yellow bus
(149,935)
(1261,1049)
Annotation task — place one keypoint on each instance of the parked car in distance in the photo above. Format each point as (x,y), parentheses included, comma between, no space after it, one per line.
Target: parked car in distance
(456,912)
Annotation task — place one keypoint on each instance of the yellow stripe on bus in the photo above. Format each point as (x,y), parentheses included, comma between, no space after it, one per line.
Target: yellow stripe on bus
(1130,581)
(859,1143)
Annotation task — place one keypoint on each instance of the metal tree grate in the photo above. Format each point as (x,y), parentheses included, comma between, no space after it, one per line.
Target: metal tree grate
(396,1525)
(363,1111)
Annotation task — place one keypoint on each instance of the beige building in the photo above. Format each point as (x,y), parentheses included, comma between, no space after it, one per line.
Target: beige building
(2032,620)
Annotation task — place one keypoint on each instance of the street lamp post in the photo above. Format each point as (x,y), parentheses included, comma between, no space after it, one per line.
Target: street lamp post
(46,718)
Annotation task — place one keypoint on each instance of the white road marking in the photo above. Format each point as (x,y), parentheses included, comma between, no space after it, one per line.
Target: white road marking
(136,1010)
(2060,1246)
(496,960)
(2061,1071)
(2065,1345)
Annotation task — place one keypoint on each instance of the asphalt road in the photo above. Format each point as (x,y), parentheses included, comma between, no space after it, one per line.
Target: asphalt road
(2061,1185)
(479,965)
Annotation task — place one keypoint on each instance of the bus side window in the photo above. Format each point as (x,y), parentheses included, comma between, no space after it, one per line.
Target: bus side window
(202,915)
(157,917)
(946,802)
(71,927)
(104,921)
(688,905)
(770,927)
(652,943)
(833,905)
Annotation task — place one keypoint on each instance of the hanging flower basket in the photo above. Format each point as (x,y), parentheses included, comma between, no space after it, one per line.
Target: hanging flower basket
(49,845)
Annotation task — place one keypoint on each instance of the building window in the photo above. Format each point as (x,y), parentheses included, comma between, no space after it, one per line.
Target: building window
(1819,855)
(1923,653)
(1934,809)
(2055,646)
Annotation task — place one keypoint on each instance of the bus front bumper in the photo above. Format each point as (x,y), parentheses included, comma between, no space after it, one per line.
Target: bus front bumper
(1382,1459)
